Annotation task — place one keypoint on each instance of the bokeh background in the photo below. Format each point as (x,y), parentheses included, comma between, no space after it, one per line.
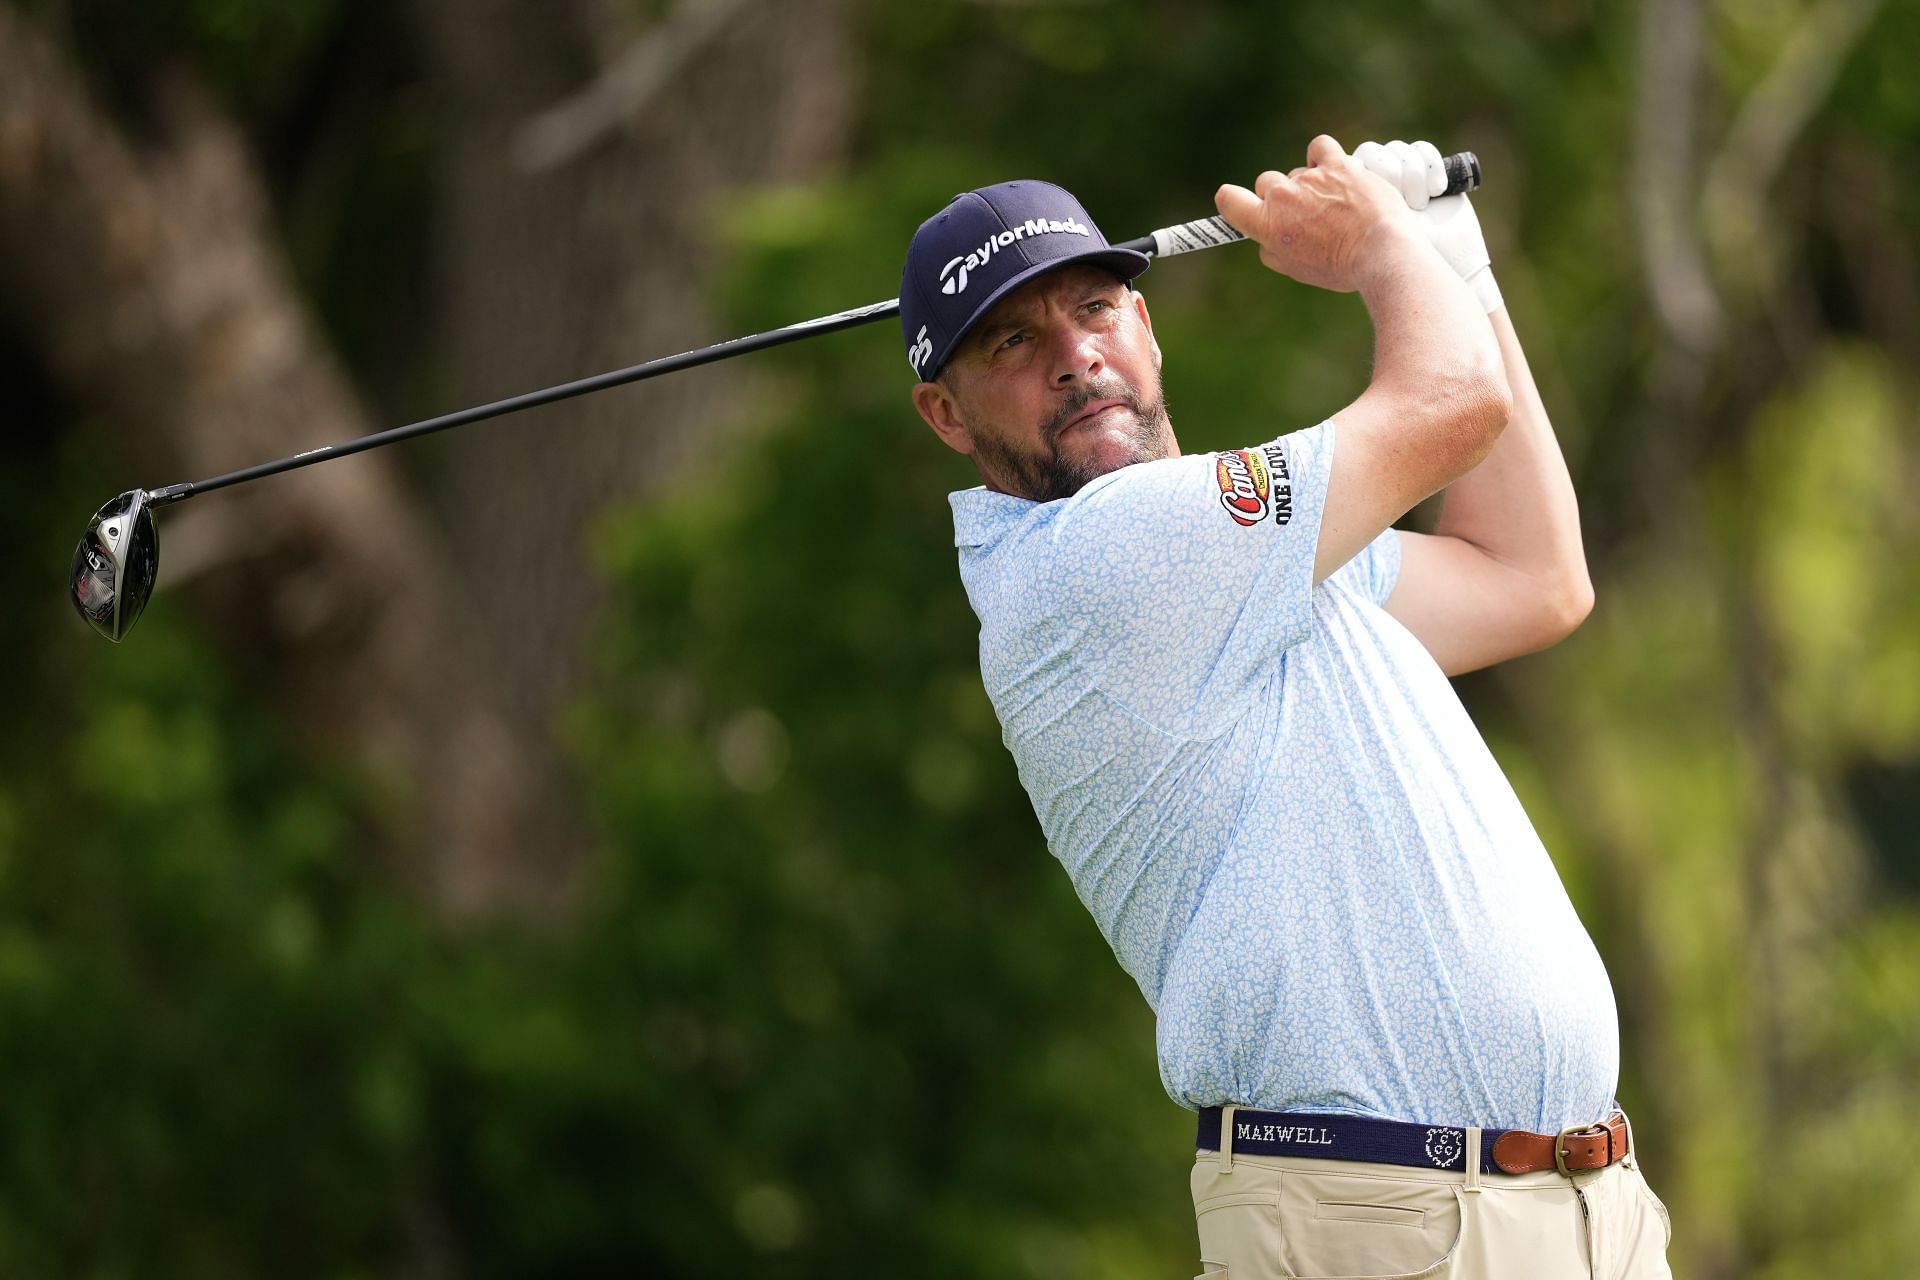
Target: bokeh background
(580,844)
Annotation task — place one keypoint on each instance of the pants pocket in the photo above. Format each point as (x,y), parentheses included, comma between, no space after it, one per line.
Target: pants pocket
(1320,1226)
(1236,1229)
(1659,1206)
(1346,1225)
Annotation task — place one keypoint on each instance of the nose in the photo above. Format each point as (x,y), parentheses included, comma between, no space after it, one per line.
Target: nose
(1077,357)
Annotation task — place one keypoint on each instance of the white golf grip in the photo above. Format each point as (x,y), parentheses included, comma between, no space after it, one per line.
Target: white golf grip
(1462,170)
(1202,233)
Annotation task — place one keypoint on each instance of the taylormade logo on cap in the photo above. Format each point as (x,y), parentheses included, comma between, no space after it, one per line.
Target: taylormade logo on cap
(984,245)
(954,276)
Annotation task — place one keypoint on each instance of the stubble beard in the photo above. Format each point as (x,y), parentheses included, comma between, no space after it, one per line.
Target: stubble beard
(1043,475)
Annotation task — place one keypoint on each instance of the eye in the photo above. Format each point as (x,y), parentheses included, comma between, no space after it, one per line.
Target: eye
(1011,341)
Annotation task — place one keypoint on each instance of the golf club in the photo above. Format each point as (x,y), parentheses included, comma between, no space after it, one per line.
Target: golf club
(116,563)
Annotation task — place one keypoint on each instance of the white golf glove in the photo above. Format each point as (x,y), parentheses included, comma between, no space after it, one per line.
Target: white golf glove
(1418,172)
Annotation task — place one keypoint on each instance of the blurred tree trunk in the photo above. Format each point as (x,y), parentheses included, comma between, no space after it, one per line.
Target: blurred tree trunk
(151,281)
(576,206)
(1720,1033)
(151,277)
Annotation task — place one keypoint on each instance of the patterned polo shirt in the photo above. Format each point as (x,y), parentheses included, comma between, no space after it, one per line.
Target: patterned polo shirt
(1274,805)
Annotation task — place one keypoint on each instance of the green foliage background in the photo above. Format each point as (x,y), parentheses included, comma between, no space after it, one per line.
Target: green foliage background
(832,1007)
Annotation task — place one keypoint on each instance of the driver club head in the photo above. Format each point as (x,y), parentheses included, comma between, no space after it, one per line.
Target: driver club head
(114,565)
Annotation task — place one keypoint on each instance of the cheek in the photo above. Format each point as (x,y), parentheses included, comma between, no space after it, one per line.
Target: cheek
(1009,410)
(981,424)
(1152,351)
(1138,357)
(1137,345)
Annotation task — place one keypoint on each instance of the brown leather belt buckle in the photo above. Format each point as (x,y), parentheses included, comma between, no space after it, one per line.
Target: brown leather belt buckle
(1561,1151)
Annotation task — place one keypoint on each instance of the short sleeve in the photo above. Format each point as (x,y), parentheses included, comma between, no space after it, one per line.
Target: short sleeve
(1375,570)
(1184,581)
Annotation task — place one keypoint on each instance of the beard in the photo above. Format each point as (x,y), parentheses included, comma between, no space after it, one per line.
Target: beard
(1043,475)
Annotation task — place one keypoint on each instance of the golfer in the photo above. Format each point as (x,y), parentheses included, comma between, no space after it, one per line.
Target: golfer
(1224,681)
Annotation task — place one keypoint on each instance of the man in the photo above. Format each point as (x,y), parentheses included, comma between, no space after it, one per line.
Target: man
(1223,679)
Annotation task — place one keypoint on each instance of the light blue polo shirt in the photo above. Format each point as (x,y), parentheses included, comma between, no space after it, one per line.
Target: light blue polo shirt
(1275,807)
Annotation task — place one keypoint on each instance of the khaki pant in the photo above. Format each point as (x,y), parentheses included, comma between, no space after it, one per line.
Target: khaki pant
(1275,1217)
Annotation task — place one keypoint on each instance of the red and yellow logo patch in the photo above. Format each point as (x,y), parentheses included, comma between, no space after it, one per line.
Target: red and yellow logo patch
(1246,487)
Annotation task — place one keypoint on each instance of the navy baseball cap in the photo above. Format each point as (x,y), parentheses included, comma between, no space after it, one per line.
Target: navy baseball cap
(981,247)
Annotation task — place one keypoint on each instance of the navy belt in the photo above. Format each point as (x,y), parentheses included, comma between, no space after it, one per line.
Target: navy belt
(1418,1146)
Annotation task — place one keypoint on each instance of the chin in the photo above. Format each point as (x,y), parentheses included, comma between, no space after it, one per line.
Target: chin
(1093,468)
(1111,455)
(1047,475)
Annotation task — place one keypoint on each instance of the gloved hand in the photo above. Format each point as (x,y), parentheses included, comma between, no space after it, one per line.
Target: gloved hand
(1418,173)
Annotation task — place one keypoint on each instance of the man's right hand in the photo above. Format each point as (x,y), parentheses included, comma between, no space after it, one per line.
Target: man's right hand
(1323,224)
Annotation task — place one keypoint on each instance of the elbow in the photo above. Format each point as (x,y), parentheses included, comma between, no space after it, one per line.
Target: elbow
(1566,603)
(1552,611)
(1490,402)
(1477,405)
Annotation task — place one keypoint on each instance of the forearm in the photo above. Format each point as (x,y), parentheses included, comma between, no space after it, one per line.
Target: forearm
(1435,357)
(1438,396)
(1435,404)
(1518,505)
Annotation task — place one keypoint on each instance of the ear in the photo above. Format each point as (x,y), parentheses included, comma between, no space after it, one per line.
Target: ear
(1146,321)
(938,409)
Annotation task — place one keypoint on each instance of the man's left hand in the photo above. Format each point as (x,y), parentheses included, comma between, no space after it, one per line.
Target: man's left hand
(1417,171)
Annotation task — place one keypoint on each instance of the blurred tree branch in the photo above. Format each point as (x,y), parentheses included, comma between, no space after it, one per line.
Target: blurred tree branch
(1665,147)
(624,88)
(1768,122)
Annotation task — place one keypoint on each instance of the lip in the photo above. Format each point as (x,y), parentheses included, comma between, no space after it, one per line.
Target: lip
(1092,411)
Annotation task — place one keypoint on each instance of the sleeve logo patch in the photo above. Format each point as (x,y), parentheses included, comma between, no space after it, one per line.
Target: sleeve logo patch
(1245,486)
(1252,483)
